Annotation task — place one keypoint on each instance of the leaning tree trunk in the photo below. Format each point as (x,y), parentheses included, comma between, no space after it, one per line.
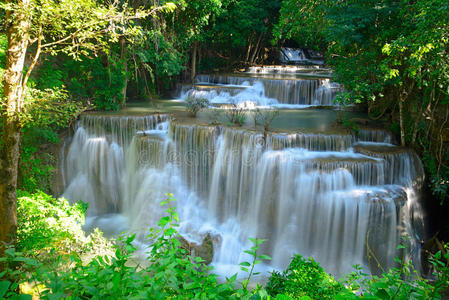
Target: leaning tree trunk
(123,58)
(193,71)
(253,57)
(18,26)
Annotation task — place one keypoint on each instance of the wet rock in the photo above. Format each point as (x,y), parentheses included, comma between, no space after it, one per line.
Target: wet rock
(205,250)
(428,249)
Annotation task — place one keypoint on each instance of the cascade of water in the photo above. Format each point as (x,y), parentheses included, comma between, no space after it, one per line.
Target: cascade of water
(374,135)
(94,165)
(298,56)
(292,55)
(311,141)
(263,91)
(316,194)
(282,69)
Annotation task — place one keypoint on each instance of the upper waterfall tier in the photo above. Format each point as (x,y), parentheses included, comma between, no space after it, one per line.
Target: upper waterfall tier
(263,91)
(304,70)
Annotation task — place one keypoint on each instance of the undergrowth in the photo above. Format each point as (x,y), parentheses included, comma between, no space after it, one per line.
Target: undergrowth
(56,259)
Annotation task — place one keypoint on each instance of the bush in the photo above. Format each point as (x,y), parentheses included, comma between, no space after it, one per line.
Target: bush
(265,117)
(235,115)
(303,277)
(194,105)
(45,223)
(50,108)
(401,282)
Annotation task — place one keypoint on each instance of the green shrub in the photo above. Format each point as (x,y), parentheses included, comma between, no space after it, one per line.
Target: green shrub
(265,117)
(194,105)
(36,170)
(401,282)
(46,223)
(235,115)
(303,277)
(50,108)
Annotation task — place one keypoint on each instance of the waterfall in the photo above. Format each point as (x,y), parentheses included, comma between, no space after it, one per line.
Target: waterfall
(331,196)
(292,55)
(262,91)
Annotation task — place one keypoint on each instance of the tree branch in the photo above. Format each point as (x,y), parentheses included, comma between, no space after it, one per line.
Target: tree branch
(33,64)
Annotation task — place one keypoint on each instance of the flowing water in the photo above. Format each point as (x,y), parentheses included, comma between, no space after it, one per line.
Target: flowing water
(342,197)
(249,90)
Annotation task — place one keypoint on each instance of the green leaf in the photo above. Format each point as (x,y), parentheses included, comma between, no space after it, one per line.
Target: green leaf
(264,257)
(191,285)
(245,264)
(4,285)
(163,221)
(382,294)
(282,297)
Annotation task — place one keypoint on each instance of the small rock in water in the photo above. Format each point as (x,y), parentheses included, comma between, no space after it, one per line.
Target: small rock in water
(205,250)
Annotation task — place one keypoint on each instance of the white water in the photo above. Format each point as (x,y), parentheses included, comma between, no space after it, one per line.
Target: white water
(296,56)
(321,195)
(262,92)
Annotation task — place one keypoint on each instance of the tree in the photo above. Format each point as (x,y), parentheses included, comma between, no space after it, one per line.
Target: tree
(74,27)
(304,22)
(244,28)
(194,16)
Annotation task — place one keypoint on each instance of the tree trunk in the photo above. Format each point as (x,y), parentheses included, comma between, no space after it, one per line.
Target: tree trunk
(193,71)
(248,52)
(401,119)
(18,26)
(123,54)
(253,57)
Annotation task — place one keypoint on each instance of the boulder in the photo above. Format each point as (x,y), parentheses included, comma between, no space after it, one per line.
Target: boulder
(205,250)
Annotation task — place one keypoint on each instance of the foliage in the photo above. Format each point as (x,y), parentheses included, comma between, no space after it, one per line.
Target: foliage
(257,259)
(65,27)
(3,46)
(156,61)
(391,56)
(194,105)
(50,108)
(265,117)
(46,113)
(304,22)
(244,28)
(55,261)
(170,272)
(402,282)
(235,114)
(36,168)
(46,223)
(348,123)
(303,277)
